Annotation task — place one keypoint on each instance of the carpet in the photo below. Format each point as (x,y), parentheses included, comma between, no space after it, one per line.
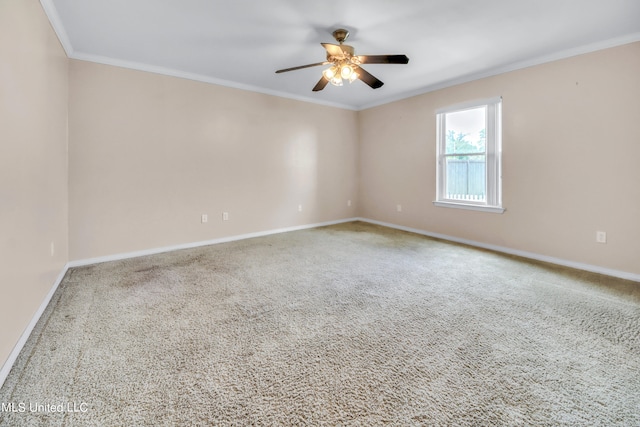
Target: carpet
(353,324)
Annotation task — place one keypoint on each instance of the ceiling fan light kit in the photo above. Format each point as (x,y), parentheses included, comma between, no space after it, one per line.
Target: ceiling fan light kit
(337,73)
(346,65)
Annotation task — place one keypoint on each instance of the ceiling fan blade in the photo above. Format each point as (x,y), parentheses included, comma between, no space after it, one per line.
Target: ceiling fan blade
(333,49)
(369,79)
(383,59)
(321,84)
(301,67)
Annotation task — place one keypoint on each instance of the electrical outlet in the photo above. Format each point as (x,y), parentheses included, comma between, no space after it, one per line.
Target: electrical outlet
(299,208)
(53,249)
(225,216)
(399,208)
(204,218)
(348,202)
(601,236)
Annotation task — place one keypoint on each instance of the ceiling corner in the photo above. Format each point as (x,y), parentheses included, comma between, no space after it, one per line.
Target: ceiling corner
(55,21)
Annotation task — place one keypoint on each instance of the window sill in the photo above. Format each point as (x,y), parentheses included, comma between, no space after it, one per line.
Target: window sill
(491,209)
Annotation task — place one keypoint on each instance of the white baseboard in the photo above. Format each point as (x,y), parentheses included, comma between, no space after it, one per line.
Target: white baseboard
(127,255)
(503,249)
(8,364)
(531,255)
(6,368)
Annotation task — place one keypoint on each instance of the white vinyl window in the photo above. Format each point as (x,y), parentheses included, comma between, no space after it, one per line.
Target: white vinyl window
(469,156)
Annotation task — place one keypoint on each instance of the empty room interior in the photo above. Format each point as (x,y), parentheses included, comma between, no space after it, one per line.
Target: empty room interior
(195,234)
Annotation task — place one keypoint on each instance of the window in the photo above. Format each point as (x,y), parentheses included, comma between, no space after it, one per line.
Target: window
(469,156)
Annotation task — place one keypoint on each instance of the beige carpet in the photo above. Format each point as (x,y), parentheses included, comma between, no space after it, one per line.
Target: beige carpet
(351,324)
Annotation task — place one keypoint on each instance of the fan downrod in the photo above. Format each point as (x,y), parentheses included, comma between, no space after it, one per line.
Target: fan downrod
(340,35)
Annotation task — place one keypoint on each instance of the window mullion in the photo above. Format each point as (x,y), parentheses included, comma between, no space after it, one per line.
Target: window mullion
(479,153)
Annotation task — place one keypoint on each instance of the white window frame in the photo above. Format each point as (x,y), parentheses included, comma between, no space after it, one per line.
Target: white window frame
(493,157)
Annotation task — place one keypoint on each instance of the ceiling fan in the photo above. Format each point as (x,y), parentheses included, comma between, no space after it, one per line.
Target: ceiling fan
(345,65)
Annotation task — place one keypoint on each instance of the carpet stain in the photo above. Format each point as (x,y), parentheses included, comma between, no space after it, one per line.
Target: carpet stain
(352,324)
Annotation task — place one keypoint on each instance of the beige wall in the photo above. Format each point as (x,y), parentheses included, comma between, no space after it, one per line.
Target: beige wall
(33,164)
(150,153)
(571,150)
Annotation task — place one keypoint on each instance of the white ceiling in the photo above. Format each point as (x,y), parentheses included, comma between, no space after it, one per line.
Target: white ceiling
(241,43)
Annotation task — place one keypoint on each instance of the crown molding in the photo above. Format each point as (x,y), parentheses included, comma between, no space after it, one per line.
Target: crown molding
(568,53)
(60,31)
(201,78)
(55,21)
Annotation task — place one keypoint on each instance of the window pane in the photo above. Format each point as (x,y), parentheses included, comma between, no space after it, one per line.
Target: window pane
(466,131)
(466,178)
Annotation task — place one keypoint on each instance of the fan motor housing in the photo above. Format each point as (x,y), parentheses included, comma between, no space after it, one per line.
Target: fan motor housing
(340,35)
(347,53)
